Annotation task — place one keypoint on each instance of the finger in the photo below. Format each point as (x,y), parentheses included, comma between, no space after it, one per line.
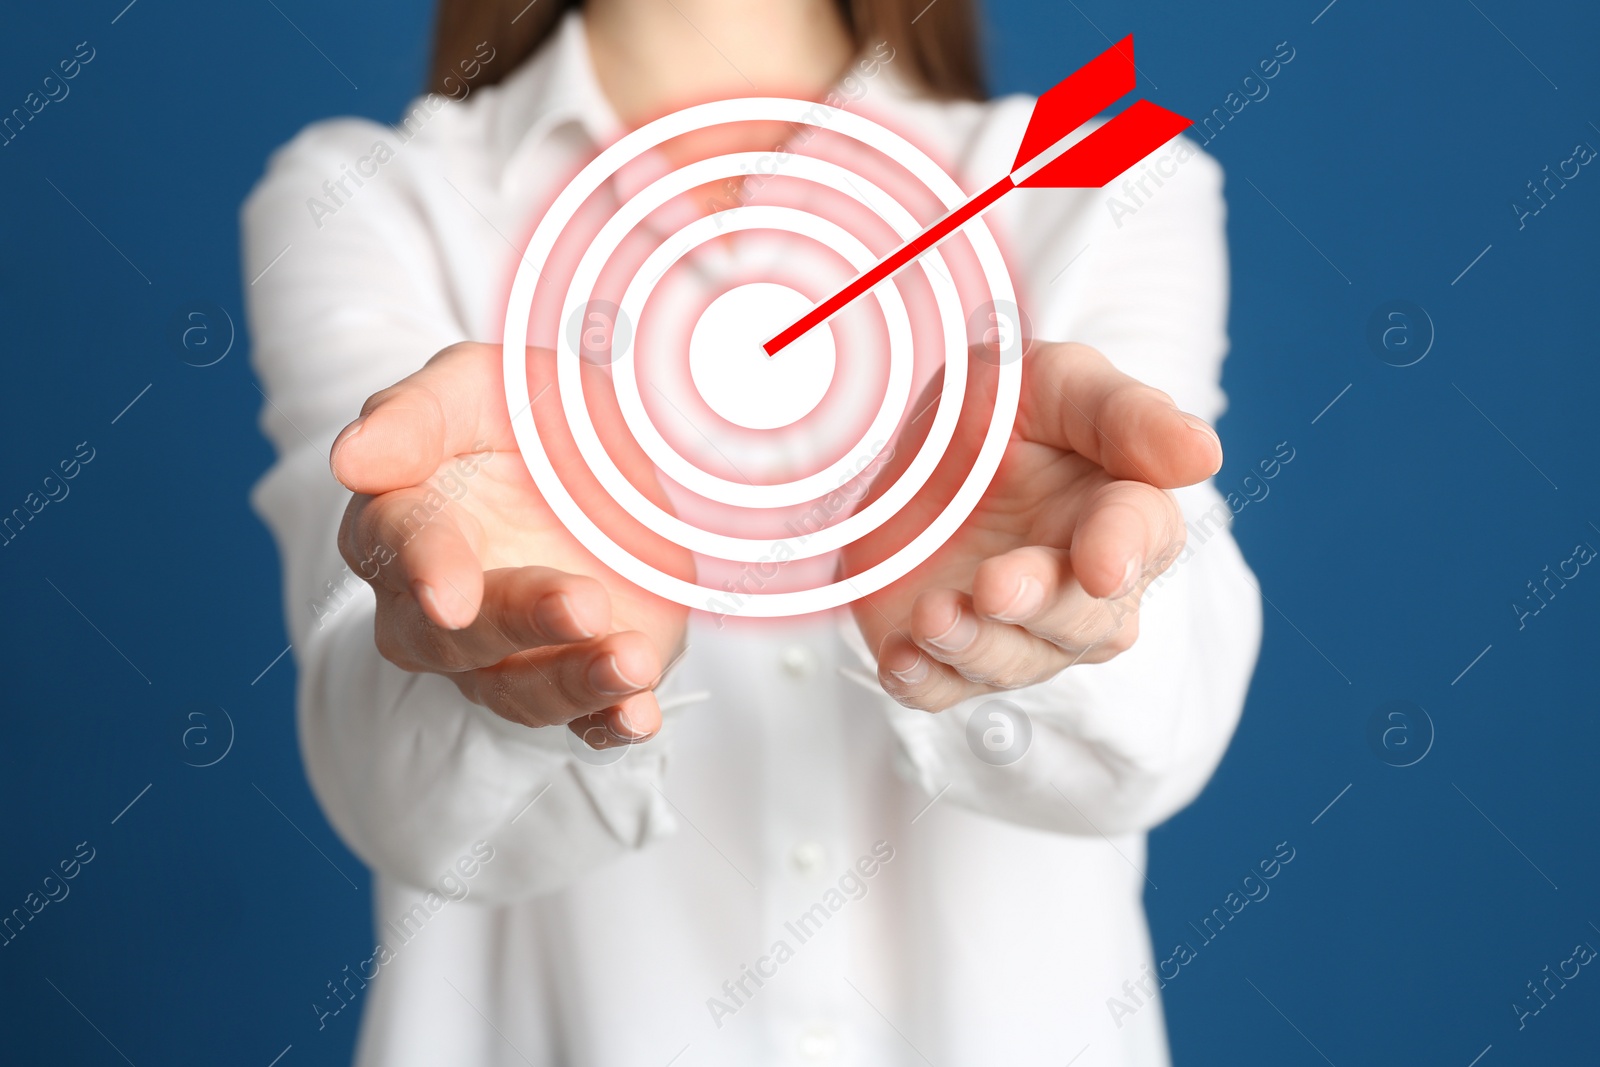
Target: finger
(945,625)
(452,406)
(405,542)
(1074,399)
(1034,588)
(552,686)
(1126,528)
(917,680)
(636,719)
(522,608)
(529,607)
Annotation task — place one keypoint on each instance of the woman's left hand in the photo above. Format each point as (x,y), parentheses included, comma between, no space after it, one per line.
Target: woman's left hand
(1049,569)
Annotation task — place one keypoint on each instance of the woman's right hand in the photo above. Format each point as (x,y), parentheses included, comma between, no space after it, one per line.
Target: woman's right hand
(476,578)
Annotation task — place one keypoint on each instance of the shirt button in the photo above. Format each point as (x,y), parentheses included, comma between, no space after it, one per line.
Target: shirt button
(818,1043)
(807,856)
(799,661)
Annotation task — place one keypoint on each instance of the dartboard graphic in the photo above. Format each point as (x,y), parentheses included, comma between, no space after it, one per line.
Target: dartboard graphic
(605,317)
(726,352)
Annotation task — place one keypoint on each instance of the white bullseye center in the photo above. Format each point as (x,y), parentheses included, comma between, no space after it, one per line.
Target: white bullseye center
(733,373)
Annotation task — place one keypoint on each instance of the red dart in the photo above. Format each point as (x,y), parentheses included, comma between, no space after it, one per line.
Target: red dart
(1092,162)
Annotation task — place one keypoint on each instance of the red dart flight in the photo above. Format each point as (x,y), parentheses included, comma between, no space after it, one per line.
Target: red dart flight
(1092,162)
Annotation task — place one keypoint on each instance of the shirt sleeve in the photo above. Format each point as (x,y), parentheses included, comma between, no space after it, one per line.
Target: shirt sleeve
(1119,747)
(348,297)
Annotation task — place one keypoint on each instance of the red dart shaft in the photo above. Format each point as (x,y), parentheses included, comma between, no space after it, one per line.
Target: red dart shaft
(903,255)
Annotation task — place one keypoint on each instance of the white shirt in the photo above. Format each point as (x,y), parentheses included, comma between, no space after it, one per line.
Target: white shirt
(605,915)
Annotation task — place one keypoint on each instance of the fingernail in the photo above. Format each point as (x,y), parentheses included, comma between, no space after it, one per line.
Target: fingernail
(961,633)
(1130,577)
(606,676)
(1028,599)
(914,674)
(458,619)
(557,617)
(430,603)
(1200,425)
(624,730)
(343,439)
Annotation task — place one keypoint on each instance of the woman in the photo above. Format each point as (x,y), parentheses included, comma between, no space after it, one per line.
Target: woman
(788,862)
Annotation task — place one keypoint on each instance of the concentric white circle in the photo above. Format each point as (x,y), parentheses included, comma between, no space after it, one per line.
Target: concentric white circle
(754,604)
(569,378)
(734,375)
(829,538)
(786,494)
(690,237)
(896,394)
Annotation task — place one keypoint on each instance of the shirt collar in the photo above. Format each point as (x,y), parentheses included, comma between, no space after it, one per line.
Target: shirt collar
(555,87)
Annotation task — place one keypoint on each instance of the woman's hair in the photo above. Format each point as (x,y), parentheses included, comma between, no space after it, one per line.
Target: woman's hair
(937,42)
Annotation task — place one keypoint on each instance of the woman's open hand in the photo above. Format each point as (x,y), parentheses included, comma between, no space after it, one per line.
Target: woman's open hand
(1049,569)
(476,579)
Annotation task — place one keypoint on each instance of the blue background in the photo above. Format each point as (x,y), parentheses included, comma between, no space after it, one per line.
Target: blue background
(1391,548)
